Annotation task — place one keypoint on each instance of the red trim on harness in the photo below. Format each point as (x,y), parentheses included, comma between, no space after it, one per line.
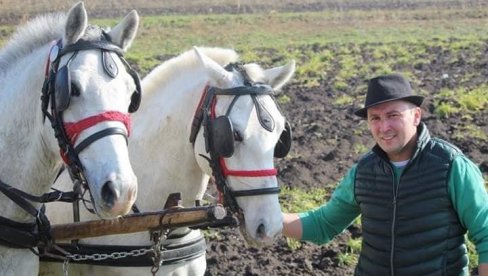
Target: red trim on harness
(221,198)
(212,108)
(64,156)
(73,130)
(200,103)
(249,173)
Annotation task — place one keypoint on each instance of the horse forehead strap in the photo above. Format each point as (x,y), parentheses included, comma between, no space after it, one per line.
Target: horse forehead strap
(264,117)
(256,90)
(108,62)
(81,45)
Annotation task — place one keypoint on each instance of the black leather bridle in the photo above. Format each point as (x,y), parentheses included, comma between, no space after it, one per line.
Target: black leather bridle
(55,115)
(203,118)
(29,235)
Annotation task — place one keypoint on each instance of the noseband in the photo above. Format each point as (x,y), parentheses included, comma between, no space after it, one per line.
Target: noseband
(205,116)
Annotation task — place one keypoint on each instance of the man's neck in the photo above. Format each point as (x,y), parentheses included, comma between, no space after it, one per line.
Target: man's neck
(400,164)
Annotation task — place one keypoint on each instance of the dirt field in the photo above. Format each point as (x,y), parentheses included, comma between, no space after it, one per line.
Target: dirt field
(323,139)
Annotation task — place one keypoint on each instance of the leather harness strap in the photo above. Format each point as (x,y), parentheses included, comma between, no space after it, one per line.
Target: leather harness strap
(170,254)
(23,235)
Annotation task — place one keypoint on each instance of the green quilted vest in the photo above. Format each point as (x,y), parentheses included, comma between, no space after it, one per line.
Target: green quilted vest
(411,229)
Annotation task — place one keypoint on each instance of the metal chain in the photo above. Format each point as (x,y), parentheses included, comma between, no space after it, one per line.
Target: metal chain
(158,237)
(101,257)
(113,255)
(65,267)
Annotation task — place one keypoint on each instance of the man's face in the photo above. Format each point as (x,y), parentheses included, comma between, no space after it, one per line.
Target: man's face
(394,127)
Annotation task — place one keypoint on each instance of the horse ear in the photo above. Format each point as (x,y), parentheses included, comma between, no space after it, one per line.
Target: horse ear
(278,76)
(124,33)
(76,23)
(219,77)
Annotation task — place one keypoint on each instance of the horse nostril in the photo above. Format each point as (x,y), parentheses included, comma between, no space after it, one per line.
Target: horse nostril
(109,194)
(261,231)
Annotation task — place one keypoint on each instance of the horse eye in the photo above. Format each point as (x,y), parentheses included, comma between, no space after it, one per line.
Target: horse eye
(237,136)
(74,90)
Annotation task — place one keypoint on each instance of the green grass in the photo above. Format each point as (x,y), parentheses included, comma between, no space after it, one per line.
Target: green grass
(469,131)
(288,33)
(283,99)
(297,200)
(350,257)
(473,257)
(285,32)
(161,36)
(343,100)
(347,259)
(445,109)
(476,99)
(360,149)
(463,102)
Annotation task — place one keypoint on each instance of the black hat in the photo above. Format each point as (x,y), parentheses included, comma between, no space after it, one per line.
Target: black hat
(388,88)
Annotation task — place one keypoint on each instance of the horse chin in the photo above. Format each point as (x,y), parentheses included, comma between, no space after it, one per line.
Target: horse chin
(109,211)
(253,242)
(118,210)
(111,201)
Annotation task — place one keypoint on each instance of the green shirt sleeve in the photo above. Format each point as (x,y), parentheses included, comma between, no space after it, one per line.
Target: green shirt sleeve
(470,200)
(325,222)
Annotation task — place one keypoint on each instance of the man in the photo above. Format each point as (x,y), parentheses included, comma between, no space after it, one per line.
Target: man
(417,195)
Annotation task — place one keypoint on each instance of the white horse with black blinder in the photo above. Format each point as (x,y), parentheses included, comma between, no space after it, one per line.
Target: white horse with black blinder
(86,91)
(245,123)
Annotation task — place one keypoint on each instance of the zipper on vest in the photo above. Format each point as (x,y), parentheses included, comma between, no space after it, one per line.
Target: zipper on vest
(392,250)
(393,221)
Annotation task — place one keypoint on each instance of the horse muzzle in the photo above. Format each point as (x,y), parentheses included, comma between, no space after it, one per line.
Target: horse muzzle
(115,198)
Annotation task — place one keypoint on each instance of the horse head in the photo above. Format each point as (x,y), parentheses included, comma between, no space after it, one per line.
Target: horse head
(243,130)
(90,89)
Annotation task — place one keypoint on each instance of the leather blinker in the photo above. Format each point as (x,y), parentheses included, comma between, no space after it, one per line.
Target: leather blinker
(264,117)
(283,145)
(222,141)
(109,64)
(62,89)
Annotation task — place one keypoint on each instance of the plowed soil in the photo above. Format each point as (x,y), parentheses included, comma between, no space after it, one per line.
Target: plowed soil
(324,136)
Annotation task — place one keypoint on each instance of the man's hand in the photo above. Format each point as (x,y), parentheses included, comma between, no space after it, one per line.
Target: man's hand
(292,226)
(483,269)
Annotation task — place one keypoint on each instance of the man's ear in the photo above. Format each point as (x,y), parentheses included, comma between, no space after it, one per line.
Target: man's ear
(417,115)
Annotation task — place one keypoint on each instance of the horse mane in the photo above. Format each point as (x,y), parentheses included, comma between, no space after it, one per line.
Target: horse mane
(36,33)
(184,63)
(32,35)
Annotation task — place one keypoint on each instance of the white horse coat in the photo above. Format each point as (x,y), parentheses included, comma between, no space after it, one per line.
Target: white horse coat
(166,162)
(28,148)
